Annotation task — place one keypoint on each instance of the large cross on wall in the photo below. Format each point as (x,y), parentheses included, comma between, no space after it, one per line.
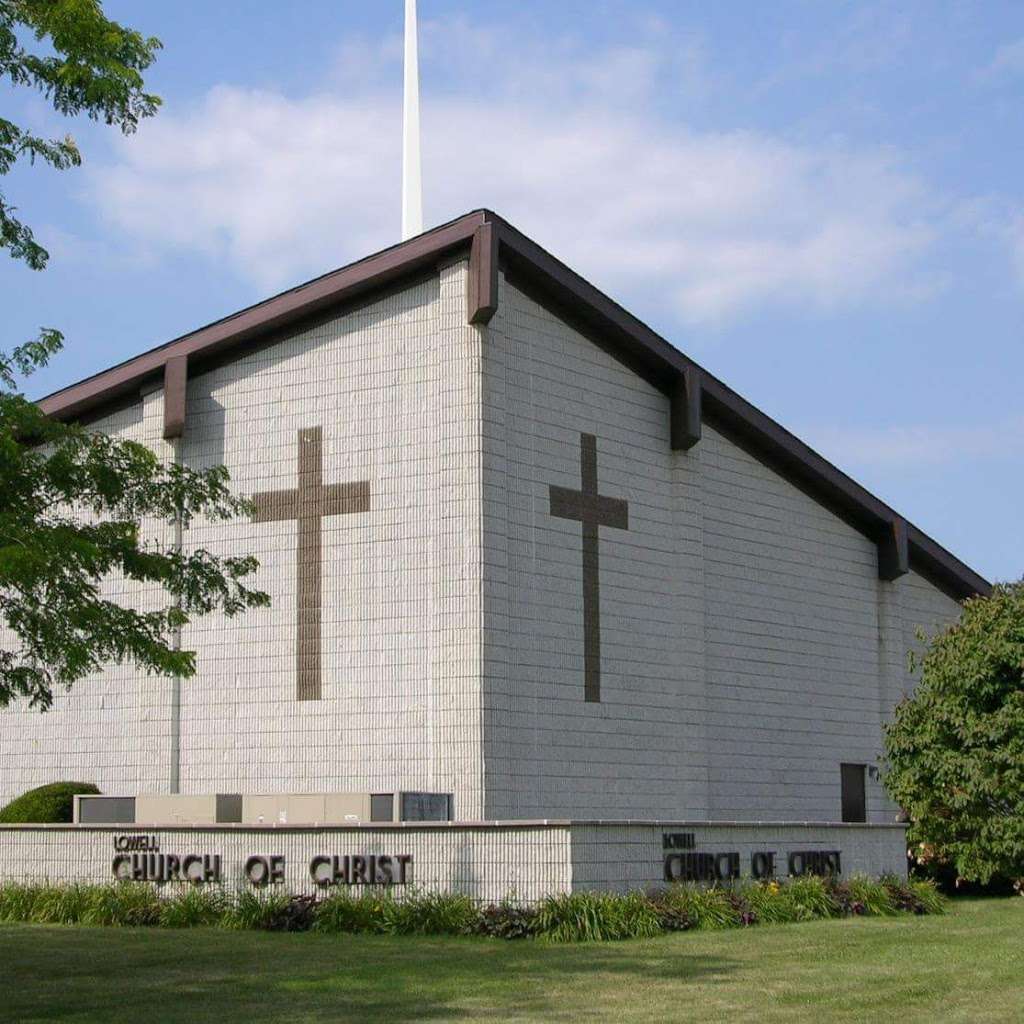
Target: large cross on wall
(311,500)
(308,503)
(592,510)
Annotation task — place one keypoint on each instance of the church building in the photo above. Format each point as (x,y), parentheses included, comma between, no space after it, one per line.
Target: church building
(528,562)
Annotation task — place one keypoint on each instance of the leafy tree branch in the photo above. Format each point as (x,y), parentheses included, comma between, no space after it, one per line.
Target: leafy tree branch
(955,749)
(81,512)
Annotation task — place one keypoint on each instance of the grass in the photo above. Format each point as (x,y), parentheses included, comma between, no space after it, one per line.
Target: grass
(965,966)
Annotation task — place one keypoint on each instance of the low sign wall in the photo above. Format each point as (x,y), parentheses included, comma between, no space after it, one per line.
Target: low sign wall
(488,861)
(635,855)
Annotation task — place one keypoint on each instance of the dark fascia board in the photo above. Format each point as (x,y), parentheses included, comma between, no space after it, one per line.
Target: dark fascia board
(662,365)
(490,239)
(215,340)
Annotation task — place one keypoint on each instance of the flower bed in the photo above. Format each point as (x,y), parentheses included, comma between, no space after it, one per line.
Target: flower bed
(574,917)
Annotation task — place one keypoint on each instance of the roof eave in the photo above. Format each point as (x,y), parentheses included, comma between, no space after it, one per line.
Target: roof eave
(491,239)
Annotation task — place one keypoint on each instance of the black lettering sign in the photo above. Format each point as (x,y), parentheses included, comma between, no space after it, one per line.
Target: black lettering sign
(702,867)
(377,869)
(762,864)
(132,843)
(678,841)
(815,862)
(137,860)
(263,871)
(160,867)
(691,866)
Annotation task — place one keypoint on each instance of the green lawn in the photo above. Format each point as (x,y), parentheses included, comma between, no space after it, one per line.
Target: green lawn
(967,966)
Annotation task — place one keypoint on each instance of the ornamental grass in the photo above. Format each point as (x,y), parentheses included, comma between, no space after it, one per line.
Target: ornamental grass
(597,917)
(570,917)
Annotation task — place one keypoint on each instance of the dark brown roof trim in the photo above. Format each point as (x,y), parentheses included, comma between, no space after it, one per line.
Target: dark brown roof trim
(694,393)
(175,396)
(894,552)
(483,275)
(686,415)
(660,363)
(332,289)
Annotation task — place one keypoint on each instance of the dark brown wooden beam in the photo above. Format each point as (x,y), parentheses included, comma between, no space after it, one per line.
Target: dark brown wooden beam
(686,410)
(894,551)
(241,329)
(483,275)
(175,396)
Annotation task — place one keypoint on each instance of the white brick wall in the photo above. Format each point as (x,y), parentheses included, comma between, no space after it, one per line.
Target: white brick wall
(395,388)
(793,634)
(488,861)
(111,730)
(748,647)
(640,752)
(630,855)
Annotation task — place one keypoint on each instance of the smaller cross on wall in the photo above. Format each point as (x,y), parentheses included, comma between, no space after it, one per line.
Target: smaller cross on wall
(308,503)
(592,510)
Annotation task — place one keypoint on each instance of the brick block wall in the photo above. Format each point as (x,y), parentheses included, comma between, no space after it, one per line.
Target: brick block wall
(111,729)
(640,752)
(748,646)
(487,861)
(631,855)
(395,389)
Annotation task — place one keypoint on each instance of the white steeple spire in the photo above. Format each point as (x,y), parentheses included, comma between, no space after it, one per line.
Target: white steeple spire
(412,175)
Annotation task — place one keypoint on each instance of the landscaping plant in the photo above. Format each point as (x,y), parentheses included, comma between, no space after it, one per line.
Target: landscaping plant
(51,804)
(955,749)
(570,917)
(597,917)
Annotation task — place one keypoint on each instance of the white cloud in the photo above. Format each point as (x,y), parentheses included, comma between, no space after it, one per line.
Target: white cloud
(921,445)
(1008,60)
(1015,234)
(998,221)
(719,224)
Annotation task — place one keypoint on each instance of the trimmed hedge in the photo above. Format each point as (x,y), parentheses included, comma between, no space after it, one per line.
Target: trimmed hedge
(572,917)
(45,805)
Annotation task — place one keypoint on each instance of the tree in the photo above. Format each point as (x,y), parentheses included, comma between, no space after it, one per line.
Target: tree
(94,68)
(955,749)
(72,500)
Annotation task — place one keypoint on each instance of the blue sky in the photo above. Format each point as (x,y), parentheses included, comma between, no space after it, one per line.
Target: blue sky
(822,202)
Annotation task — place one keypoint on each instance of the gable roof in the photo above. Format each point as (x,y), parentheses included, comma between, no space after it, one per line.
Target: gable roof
(491,241)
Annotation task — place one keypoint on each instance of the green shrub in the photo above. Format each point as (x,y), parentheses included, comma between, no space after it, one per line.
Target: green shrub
(125,904)
(575,917)
(772,903)
(704,907)
(505,920)
(194,907)
(597,917)
(17,901)
(929,897)
(813,897)
(273,911)
(901,894)
(52,804)
(429,914)
(866,896)
(671,916)
(295,914)
(343,912)
(254,910)
(60,904)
